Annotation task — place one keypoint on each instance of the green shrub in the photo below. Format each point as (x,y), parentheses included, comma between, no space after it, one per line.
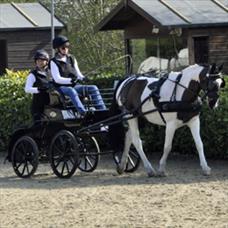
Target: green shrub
(14,102)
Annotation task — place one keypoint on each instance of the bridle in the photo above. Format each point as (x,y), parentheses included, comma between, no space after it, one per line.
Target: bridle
(213,86)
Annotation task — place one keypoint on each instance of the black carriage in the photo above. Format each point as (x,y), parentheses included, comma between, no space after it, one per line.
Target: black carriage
(65,139)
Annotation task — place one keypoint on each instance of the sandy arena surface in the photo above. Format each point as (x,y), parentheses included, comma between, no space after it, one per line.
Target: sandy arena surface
(185,198)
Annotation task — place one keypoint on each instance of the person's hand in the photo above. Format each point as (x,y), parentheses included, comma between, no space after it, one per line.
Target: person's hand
(74,81)
(86,79)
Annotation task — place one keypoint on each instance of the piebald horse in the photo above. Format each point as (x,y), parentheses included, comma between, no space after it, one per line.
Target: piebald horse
(172,102)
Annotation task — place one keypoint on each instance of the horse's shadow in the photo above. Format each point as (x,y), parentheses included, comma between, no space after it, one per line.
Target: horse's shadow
(180,171)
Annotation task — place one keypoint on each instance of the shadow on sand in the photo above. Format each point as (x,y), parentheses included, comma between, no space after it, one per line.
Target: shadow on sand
(181,170)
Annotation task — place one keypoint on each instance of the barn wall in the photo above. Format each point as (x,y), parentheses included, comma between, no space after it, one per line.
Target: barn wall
(21,46)
(218,44)
(139,28)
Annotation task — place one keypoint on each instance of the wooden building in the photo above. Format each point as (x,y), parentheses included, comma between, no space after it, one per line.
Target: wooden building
(203,23)
(24,28)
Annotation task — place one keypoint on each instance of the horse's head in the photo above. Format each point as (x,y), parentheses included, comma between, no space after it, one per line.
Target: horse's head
(211,82)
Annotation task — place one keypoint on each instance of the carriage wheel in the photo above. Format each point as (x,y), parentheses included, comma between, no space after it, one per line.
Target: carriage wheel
(25,157)
(63,154)
(89,153)
(132,162)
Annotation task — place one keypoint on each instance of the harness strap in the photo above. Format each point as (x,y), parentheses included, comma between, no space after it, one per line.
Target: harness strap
(126,83)
(173,97)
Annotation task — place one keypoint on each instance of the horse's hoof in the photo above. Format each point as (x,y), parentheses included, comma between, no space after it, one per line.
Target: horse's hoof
(152,174)
(161,174)
(119,170)
(207,172)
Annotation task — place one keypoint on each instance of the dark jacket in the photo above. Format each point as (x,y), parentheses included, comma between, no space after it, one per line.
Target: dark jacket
(66,69)
(42,98)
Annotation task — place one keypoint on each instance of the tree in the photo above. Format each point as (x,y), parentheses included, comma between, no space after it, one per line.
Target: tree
(92,49)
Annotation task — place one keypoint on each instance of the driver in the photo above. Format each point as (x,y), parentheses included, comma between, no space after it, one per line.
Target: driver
(37,83)
(66,74)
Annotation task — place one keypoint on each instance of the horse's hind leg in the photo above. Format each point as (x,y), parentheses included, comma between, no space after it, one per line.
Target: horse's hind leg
(135,137)
(194,126)
(169,133)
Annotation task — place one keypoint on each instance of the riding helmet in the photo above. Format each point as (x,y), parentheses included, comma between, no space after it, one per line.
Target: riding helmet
(59,41)
(41,54)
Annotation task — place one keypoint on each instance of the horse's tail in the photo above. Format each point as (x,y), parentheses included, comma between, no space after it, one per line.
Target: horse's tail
(116,131)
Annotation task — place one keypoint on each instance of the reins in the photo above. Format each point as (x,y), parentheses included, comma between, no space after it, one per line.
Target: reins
(109,63)
(118,118)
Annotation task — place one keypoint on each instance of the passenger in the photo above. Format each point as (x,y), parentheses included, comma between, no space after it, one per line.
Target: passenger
(66,75)
(37,83)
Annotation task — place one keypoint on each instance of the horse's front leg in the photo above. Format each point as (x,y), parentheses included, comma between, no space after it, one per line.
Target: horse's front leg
(127,143)
(194,126)
(135,137)
(169,133)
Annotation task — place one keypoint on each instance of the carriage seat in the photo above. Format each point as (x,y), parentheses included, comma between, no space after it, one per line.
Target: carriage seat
(58,99)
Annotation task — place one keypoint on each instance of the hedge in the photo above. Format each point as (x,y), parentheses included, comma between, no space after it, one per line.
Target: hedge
(14,103)
(15,111)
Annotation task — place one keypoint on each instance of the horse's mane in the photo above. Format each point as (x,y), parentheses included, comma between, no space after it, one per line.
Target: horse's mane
(196,70)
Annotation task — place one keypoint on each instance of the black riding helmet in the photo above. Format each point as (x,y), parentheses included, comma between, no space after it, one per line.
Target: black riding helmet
(59,41)
(41,54)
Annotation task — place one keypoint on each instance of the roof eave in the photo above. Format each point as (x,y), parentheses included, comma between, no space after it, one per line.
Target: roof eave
(29,29)
(199,25)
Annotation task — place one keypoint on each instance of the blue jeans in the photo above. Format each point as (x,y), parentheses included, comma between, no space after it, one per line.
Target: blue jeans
(94,93)
(74,92)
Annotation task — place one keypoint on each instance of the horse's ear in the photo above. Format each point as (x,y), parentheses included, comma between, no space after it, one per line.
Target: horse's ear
(220,67)
(213,68)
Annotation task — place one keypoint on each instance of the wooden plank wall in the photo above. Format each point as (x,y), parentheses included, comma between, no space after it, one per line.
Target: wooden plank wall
(21,46)
(218,44)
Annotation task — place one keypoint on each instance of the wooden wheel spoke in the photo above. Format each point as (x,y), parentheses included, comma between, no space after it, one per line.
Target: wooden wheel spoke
(32,162)
(27,167)
(134,154)
(22,173)
(130,161)
(63,168)
(56,165)
(56,148)
(88,161)
(67,167)
(18,166)
(71,160)
(21,149)
(63,143)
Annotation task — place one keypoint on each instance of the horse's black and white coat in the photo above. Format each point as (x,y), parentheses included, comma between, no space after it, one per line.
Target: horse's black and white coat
(194,78)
